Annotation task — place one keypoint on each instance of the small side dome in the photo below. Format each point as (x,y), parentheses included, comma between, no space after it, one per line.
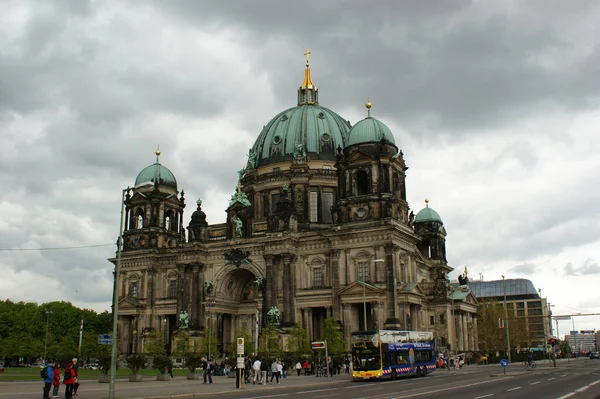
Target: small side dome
(370,130)
(157,174)
(428,215)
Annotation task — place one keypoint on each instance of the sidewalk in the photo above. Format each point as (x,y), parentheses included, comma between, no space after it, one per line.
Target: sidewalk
(178,387)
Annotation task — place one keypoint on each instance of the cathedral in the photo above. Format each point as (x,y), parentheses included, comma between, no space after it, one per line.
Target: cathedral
(318,227)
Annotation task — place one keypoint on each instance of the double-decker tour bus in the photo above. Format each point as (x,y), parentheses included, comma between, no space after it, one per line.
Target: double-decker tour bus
(391,354)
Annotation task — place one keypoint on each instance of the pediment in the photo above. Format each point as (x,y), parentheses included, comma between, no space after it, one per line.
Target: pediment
(128,303)
(471,299)
(357,156)
(356,289)
(412,288)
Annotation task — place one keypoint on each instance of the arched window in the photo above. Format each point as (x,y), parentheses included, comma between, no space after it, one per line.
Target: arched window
(139,216)
(362,183)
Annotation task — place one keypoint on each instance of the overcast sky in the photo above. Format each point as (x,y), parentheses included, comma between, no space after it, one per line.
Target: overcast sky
(496,106)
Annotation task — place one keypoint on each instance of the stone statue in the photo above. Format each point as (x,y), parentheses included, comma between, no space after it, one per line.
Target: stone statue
(208,285)
(251,158)
(273,315)
(183,319)
(259,281)
(239,225)
(299,153)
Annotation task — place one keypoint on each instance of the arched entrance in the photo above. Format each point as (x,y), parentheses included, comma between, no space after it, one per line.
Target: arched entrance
(236,299)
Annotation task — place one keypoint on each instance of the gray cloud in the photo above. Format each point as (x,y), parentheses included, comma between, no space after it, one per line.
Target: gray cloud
(526,269)
(589,267)
(90,89)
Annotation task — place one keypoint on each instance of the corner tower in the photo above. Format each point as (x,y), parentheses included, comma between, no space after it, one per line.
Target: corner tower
(371,174)
(154,213)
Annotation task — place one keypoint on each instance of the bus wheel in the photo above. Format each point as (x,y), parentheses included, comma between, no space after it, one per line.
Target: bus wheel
(394,374)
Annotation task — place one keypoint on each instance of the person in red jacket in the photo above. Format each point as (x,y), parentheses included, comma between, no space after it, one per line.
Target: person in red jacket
(56,380)
(69,380)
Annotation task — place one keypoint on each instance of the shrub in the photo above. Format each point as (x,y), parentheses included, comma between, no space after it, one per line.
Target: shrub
(193,361)
(136,362)
(162,363)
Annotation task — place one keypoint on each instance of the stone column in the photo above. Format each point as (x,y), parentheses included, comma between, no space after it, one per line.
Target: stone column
(391,291)
(334,261)
(181,289)
(150,292)
(289,316)
(271,293)
(347,320)
(475,335)
(195,297)
(309,319)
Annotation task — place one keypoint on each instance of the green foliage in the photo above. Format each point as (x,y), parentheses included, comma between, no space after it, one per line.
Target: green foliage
(193,361)
(23,330)
(269,345)
(104,357)
(162,363)
(155,344)
(334,337)
(299,342)
(247,343)
(136,362)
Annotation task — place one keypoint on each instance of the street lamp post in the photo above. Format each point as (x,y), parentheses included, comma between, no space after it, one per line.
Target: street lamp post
(113,364)
(546,351)
(506,321)
(48,312)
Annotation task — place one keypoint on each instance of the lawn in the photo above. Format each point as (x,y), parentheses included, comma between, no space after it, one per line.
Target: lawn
(32,374)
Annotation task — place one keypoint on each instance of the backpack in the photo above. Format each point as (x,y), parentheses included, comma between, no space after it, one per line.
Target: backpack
(67,374)
(44,372)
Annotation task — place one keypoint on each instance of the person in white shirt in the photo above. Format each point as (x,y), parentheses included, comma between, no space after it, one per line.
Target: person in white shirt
(257,374)
(274,372)
(298,368)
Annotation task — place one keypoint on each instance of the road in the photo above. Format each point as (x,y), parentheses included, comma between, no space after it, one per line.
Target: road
(578,380)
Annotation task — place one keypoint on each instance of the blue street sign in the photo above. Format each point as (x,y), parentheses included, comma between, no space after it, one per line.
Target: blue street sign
(503,363)
(105,339)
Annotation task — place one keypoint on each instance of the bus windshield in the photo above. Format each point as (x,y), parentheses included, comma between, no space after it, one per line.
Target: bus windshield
(366,362)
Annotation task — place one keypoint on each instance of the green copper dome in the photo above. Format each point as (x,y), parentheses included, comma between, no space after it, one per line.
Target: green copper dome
(428,215)
(158,174)
(370,130)
(307,131)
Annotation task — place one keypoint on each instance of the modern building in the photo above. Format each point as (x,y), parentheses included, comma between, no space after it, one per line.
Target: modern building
(582,341)
(526,309)
(318,227)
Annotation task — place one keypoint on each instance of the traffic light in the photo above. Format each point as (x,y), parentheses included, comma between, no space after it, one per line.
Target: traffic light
(552,341)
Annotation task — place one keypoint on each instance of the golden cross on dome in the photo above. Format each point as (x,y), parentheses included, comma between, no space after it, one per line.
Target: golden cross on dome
(239,187)
(307,53)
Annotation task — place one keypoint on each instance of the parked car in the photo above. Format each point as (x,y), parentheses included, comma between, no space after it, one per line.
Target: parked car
(594,355)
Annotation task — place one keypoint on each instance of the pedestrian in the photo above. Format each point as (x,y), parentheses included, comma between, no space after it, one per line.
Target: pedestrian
(247,369)
(256,370)
(48,374)
(170,370)
(204,365)
(274,371)
(347,363)
(298,368)
(305,366)
(264,370)
(76,382)
(56,380)
(69,379)
(209,371)
(284,369)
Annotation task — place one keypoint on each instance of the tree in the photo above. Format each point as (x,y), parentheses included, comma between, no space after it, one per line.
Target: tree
(268,342)
(491,334)
(136,362)
(154,344)
(333,336)
(299,342)
(247,343)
